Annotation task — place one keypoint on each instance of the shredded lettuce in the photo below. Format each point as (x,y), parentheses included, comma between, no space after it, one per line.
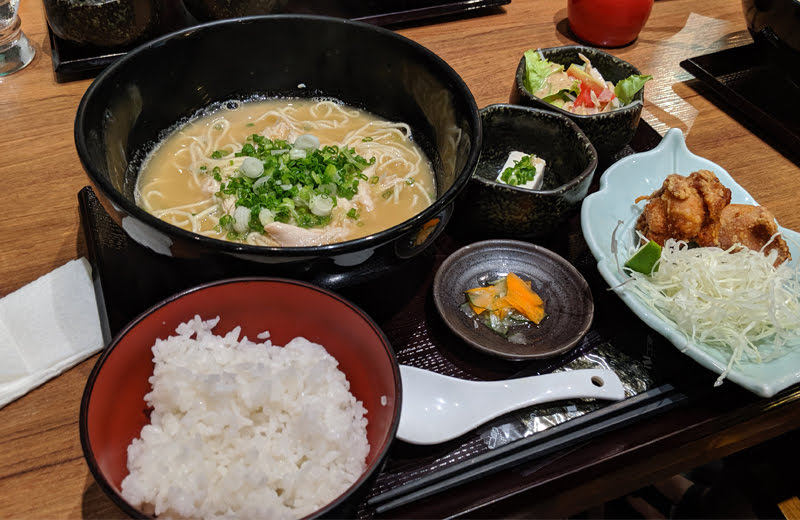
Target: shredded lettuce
(627,88)
(536,70)
(733,302)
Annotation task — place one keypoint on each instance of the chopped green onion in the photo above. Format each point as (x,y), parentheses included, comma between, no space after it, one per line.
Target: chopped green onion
(307,142)
(522,172)
(226,221)
(321,205)
(241,219)
(252,167)
(298,186)
(266,217)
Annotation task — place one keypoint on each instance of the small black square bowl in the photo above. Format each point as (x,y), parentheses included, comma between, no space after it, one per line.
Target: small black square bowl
(609,132)
(492,209)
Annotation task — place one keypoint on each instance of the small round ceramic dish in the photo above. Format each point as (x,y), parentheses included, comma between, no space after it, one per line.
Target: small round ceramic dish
(568,302)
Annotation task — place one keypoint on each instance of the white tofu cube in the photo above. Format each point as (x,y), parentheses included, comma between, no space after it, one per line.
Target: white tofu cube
(538,163)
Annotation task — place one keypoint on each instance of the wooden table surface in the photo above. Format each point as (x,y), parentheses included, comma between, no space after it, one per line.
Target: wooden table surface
(42,470)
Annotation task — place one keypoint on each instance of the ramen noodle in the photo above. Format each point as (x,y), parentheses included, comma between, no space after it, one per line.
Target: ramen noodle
(287,172)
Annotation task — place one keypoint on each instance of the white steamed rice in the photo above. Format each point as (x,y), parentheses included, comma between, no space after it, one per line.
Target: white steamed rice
(244,429)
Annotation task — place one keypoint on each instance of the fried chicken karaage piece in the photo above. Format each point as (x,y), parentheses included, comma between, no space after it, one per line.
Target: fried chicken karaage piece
(751,227)
(697,209)
(685,208)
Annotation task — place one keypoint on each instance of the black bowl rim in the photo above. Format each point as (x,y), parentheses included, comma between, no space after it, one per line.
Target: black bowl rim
(224,246)
(86,446)
(539,113)
(633,107)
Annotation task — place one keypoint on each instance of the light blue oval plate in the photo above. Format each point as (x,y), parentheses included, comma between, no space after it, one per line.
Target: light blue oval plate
(641,174)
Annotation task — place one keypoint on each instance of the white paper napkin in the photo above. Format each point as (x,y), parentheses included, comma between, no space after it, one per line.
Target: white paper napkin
(46,327)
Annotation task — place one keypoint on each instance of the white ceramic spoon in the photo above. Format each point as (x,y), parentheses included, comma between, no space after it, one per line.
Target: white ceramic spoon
(438,408)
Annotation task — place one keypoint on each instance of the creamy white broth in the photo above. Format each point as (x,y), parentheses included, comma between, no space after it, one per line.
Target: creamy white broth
(176,183)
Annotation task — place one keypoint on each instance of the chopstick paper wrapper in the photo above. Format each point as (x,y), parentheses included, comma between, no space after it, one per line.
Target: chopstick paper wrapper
(47,327)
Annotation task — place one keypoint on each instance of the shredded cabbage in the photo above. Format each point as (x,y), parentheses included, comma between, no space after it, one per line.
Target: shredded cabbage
(733,301)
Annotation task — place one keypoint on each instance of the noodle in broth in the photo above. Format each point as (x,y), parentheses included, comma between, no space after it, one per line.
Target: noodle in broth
(183,180)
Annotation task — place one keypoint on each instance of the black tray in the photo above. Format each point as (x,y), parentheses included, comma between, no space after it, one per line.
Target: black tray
(130,278)
(755,85)
(72,62)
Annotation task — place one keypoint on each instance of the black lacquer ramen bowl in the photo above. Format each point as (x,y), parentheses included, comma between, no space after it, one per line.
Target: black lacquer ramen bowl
(133,102)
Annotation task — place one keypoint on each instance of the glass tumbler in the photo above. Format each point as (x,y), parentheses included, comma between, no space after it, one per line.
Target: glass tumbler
(15,49)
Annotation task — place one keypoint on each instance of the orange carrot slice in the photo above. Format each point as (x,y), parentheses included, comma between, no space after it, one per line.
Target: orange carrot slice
(482,297)
(520,296)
